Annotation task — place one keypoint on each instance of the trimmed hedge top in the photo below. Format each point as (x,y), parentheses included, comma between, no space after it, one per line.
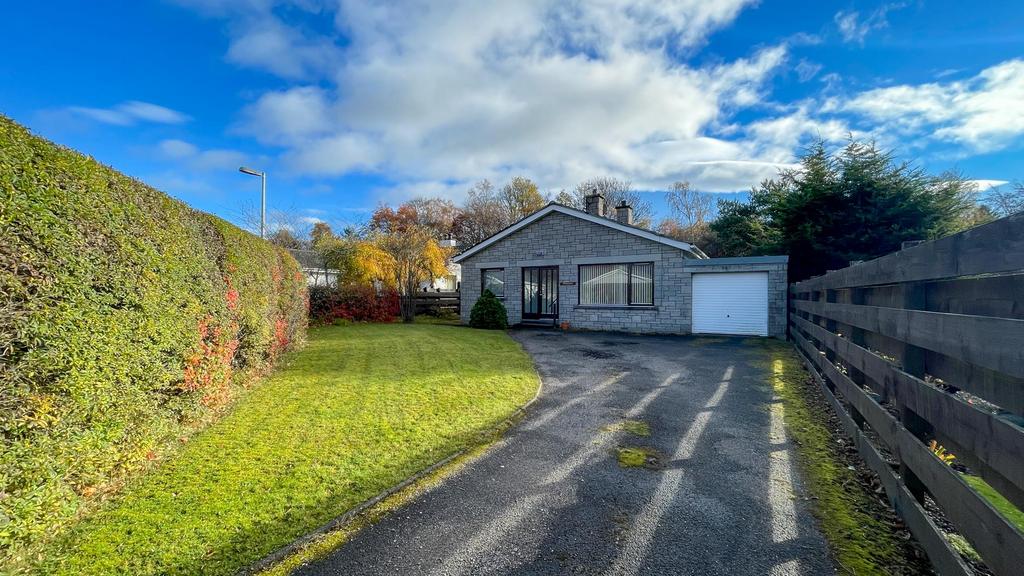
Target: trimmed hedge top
(127,318)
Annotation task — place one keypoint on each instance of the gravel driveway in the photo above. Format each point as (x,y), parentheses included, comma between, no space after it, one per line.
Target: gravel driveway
(717,495)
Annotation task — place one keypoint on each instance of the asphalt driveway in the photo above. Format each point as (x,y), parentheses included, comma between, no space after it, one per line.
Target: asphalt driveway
(719,493)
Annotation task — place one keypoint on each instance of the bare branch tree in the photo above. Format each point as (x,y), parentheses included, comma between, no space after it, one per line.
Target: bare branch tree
(436,214)
(692,208)
(482,215)
(1004,203)
(487,210)
(284,224)
(615,191)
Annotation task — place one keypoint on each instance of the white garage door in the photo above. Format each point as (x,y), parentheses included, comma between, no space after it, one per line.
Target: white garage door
(730,303)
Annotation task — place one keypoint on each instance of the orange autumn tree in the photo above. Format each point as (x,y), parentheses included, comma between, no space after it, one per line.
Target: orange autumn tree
(401,252)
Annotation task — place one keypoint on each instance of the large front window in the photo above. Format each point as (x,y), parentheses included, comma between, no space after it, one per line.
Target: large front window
(617,284)
(494,280)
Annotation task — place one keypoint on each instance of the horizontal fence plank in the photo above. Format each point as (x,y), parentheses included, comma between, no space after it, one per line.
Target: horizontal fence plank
(999,543)
(1001,296)
(983,436)
(996,247)
(870,364)
(1002,390)
(995,343)
(943,557)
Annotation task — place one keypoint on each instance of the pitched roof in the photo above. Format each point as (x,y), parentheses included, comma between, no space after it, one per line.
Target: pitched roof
(615,224)
(308,259)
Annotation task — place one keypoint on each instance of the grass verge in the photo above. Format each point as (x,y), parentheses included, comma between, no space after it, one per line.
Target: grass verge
(323,545)
(863,533)
(998,501)
(358,410)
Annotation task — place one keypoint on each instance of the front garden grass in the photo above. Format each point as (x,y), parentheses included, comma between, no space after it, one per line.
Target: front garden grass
(361,408)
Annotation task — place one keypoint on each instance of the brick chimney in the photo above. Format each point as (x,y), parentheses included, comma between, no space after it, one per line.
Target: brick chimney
(624,213)
(595,203)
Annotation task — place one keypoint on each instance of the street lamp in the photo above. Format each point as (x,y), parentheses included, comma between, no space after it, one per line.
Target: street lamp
(263,197)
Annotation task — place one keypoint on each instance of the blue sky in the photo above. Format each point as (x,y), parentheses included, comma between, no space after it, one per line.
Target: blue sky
(348,104)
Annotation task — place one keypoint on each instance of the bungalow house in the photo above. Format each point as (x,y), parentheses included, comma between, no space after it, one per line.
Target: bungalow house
(595,270)
(313,266)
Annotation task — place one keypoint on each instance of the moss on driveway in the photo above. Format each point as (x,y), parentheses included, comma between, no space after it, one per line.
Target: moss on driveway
(857,523)
(359,409)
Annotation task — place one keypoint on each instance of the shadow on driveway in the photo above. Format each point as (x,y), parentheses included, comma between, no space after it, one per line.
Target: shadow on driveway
(720,495)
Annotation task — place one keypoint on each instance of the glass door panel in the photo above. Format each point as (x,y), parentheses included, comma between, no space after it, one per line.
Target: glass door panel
(540,292)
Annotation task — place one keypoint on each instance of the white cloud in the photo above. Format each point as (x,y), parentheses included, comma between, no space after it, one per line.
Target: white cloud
(436,95)
(287,116)
(269,45)
(197,159)
(983,113)
(131,113)
(804,39)
(560,91)
(336,155)
(175,182)
(853,28)
(807,70)
(985,185)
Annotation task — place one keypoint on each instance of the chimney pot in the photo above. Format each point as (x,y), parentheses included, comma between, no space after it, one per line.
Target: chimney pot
(624,213)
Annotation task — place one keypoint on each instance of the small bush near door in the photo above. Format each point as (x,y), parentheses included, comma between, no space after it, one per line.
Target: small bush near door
(488,312)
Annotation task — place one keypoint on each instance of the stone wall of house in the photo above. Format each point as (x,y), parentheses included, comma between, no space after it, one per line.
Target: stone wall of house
(568,242)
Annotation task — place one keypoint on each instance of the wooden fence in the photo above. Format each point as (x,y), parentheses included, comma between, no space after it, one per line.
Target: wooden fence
(928,344)
(428,301)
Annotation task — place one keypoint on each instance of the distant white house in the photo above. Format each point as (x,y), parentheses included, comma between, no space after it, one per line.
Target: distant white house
(316,270)
(451,281)
(318,274)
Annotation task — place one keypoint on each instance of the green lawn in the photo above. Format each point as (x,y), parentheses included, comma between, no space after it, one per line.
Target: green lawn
(359,409)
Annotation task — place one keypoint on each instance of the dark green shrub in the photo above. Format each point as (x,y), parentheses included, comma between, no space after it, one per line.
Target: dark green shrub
(126,320)
(488,312)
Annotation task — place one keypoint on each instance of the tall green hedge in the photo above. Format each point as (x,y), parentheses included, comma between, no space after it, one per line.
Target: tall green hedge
(126,320)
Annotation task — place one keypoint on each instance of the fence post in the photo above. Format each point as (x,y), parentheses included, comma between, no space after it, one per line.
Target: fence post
(830,325)
(912,359)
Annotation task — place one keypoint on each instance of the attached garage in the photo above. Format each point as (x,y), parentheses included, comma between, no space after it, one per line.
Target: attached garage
(730,303)
(737,296)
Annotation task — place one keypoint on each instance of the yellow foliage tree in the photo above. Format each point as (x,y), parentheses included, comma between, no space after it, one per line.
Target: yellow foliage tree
(402,260)
(401,253)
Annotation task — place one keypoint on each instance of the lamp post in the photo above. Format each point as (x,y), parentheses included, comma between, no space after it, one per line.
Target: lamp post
(263,197)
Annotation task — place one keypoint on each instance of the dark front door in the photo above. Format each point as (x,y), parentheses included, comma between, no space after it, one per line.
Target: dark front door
(540,292)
